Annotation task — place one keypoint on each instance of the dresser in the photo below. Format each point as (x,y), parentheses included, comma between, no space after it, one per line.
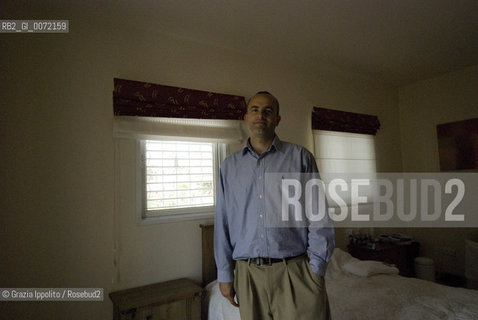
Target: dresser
(171,300)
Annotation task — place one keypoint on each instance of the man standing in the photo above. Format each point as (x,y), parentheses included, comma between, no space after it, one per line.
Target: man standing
(279,272)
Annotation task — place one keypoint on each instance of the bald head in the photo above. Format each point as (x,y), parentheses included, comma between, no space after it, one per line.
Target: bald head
(274,99)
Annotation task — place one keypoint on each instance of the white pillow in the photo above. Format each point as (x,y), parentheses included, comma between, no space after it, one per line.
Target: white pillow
(369,268)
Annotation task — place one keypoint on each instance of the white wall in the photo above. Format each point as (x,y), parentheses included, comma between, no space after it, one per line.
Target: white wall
(423,105)
(57,173)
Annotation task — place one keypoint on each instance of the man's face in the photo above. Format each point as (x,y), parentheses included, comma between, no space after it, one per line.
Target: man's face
(261,117)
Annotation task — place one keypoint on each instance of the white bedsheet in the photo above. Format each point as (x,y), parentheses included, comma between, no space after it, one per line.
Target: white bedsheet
(376,297)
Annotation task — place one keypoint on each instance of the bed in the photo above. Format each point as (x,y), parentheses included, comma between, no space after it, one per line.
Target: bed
(377,296)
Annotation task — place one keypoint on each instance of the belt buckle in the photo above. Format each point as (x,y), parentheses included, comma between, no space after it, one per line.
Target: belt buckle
(265,261)
(260,261)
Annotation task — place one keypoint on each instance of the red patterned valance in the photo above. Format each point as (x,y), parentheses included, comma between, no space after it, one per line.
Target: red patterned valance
(334,120)
(134,98)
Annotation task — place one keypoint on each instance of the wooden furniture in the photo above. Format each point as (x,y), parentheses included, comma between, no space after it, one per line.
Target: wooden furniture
(172,300)
(401,255)
(209,271)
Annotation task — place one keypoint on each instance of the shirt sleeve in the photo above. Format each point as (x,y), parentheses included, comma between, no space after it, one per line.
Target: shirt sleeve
(321,239)
(222,243)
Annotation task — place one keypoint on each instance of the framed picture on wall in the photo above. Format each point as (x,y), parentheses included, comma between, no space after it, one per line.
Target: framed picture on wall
(458,145)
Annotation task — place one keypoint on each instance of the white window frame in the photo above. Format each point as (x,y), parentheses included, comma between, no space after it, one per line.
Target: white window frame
(146,217)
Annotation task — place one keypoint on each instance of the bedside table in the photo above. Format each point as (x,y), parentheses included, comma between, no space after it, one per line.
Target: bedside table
(172,300)
(401,255)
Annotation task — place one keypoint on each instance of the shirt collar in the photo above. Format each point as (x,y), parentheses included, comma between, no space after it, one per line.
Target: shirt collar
(276,145)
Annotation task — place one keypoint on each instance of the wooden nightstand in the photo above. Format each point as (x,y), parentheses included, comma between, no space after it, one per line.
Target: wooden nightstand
(172,300)
(401,255)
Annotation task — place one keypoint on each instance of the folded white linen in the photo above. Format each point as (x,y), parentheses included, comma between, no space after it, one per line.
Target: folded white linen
(369,268)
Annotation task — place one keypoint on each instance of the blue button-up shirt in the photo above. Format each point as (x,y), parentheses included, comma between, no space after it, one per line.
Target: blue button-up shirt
(240,230)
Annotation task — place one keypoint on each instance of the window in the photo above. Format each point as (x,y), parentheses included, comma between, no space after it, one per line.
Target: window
(169,142)
(344,152)
(183,156)
(177,179)
(347,156)
(178,175)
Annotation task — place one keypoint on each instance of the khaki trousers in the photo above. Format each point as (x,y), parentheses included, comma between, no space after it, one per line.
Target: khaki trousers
(287,290)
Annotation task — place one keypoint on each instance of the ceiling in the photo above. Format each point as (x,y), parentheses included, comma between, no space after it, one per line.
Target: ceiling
(391,41)
(394,42)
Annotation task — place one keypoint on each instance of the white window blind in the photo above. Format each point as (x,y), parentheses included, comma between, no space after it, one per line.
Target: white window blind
(179,174)
(347,156)
(179,129)
(344,152)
